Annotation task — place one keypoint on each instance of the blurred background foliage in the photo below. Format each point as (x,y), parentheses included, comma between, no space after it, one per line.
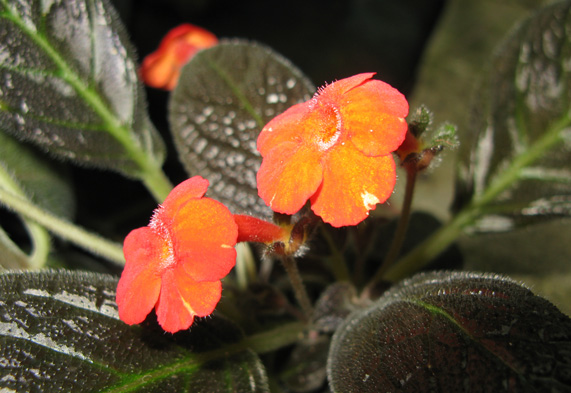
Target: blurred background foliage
(454,61)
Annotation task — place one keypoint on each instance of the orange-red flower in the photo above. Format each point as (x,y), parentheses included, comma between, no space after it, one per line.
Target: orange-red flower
(161,69)
(334,150)
(176,263)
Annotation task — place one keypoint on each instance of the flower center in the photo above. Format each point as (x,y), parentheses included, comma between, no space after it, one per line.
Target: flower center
(167,259)
(328,127)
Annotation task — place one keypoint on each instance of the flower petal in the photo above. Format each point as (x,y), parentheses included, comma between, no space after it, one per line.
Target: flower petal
(352,185)
(342,86)
(374,116)
(161,69)
(204,234)
(193,188)
(378,94)
(138,288)
(288,176)
(201,297)
(191,35)
(182,299)
(376,134)
(286,127)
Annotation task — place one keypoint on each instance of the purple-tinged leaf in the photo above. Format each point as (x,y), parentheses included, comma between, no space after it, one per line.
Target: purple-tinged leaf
(453,332)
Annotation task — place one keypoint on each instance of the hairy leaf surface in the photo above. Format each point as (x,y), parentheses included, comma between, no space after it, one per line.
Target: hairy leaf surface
(445,332)
(59,331)
(68,83)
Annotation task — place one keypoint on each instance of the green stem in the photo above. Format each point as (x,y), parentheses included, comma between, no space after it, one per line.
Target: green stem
(441,239)
(42,244)
(274,339)
(260,343)
(63,228)
(400,231)
(151,173)
(512,173)
(431,247)
(290,265)
(11,256)
(38,235)
(156,181)
(245,266)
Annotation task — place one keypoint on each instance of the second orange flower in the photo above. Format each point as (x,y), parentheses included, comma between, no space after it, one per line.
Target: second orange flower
(175,264)
(334,150)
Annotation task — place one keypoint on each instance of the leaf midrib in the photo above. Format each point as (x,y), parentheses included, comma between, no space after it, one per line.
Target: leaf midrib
(110,122)
(258,343)
(513,173)
(435,310)
(233,86)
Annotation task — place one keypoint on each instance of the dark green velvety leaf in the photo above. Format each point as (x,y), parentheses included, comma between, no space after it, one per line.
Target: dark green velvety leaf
(60,332)
(453,332)
(68,83)
(224,97)
(515,160)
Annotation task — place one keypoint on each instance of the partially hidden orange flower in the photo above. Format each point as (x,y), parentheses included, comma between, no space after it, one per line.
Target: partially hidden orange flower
(175,264)
(161,69)
(334,150)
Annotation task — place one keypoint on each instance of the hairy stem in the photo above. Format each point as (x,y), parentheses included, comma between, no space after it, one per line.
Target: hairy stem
(157,182)
(299,290)
(245,266)
(40,238)
(63,228)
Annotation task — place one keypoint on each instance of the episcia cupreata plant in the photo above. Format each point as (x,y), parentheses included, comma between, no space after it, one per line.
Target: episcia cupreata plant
(278,171)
